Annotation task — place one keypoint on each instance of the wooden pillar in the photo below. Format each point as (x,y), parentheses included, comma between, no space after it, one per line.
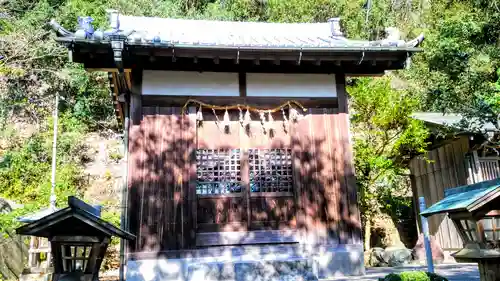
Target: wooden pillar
(31,253)
(477,170)
(414,190)
(489,270)
(134,147)
(349,173)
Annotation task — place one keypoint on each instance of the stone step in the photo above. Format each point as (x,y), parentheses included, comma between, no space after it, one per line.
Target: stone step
(284,270)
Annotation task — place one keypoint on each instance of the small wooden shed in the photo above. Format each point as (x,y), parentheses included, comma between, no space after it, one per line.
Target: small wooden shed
(456,158)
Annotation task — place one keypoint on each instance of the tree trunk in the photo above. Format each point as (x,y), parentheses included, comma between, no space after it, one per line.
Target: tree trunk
(368,233)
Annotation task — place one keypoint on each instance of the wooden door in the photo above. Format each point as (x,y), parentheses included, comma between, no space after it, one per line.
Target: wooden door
(221,201)
(244,175)
(271,194)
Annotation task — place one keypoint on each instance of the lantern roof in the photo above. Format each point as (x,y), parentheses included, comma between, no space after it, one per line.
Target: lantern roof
(78,219)
(466,198)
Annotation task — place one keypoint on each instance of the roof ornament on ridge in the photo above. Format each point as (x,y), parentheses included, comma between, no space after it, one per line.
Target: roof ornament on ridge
(335,27)
(86,29)
(195,33)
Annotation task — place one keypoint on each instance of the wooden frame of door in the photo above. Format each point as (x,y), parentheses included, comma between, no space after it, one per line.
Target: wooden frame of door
(245,203)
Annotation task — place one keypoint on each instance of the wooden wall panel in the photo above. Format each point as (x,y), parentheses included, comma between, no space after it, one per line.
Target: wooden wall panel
(446,170)
(222,213)
(272,212)
(160,176)
(327,207)
(166,213)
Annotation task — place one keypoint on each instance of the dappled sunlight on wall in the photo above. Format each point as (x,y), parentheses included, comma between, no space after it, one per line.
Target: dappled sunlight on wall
(163,206)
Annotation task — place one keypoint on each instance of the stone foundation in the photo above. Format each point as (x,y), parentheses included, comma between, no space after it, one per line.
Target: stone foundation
(249,263)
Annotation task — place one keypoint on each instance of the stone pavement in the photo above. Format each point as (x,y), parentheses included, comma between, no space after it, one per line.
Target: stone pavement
(454,272)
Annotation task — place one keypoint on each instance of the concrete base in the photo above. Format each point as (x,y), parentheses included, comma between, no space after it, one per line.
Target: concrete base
(35,277)
(252,263)
(36,274)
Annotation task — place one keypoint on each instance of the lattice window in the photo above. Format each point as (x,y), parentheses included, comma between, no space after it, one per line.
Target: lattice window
(470,230)
(270,170)
(218,171)
(491,226)
(75,258)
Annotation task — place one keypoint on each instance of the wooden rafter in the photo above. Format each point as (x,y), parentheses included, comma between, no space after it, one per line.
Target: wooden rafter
(113,83)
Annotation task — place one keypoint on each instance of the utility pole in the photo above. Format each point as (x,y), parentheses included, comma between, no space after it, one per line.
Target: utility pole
(368,7)
(54,156)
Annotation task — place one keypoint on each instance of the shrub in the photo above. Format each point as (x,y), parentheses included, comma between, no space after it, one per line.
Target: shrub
(413,276)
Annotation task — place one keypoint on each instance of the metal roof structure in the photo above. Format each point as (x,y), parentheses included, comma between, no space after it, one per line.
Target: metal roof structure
(451,120)
(144,31)
(135,43)
(158,43)
(466,198)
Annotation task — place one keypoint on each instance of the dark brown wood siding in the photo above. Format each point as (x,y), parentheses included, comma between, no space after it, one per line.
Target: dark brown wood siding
(446,169)
(163,204)
(327,204)
(160,175)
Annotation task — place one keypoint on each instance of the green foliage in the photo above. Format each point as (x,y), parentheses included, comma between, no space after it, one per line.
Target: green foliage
(25,173)
(116,156)
(113,217)
(385,137)
(459,70)
(34,69)
(413,276)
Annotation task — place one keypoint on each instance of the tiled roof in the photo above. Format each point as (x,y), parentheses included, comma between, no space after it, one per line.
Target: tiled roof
(259,35)
(225,33)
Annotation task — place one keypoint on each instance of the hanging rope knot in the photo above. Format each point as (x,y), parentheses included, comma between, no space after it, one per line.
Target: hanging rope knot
(227,122)
(199,115)
(270,120)
(285,119)
(236,106)
(240,116)
(245,120)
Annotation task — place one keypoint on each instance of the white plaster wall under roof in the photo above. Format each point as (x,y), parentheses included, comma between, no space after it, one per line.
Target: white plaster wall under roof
(190,83)
(291,85)
(225,84)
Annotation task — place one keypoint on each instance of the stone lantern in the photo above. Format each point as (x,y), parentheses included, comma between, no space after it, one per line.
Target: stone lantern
(78,238)
(475,211)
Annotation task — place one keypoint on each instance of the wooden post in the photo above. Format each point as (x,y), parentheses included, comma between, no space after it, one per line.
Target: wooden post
(489,270)
(478,171)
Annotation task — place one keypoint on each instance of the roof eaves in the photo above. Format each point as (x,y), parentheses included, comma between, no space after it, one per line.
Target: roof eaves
(346,48)
(33,227)
(485,199)
(451,121)
(102,225)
